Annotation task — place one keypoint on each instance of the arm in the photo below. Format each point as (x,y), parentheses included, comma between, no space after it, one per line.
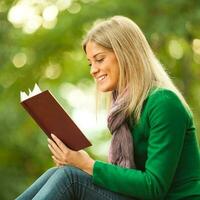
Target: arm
(167,120)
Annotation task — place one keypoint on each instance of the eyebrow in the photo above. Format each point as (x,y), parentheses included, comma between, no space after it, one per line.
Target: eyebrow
(97,54)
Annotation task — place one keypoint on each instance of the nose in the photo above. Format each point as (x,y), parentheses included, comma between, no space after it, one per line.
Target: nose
(93,70)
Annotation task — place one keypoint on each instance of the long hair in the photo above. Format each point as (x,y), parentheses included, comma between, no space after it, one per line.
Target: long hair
(139,68)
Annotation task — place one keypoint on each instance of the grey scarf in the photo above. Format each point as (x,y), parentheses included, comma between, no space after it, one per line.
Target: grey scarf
(121,150)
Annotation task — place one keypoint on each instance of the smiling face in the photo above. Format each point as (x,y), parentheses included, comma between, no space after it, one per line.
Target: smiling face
(104,66)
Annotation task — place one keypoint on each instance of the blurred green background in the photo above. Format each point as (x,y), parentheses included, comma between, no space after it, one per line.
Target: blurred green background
(40,42)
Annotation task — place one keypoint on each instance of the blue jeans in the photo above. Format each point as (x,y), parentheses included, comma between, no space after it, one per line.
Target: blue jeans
(67,183)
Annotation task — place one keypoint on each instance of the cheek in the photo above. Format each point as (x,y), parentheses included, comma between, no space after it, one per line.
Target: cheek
(116,71)
(112,68)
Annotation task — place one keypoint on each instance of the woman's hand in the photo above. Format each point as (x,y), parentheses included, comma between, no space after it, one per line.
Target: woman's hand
(62,155)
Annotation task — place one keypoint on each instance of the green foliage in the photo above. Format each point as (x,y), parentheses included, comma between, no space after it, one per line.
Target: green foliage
(54,56)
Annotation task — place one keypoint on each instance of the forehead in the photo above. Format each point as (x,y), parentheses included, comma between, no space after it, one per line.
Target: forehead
(93,49)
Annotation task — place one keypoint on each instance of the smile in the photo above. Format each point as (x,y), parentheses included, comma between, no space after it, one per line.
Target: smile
(101,78)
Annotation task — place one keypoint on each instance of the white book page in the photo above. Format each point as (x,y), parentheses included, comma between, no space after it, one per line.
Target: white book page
(36,90)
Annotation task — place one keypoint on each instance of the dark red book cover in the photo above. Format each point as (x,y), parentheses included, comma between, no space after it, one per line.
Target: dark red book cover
(52,118)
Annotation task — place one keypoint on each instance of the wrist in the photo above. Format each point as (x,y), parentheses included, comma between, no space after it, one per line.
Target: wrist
(90,166)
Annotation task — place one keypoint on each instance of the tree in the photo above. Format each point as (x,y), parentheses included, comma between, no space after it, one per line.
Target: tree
(51,55)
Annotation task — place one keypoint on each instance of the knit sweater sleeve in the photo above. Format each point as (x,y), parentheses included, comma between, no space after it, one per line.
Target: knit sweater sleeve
(168,120)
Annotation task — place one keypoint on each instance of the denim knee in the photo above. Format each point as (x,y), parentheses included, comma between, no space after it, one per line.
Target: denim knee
(52,169)
(72,174)
(68,171)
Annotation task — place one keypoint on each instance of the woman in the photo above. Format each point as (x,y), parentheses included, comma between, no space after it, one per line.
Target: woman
(153,153)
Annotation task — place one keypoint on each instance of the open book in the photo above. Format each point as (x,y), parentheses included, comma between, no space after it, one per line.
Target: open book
(52,118)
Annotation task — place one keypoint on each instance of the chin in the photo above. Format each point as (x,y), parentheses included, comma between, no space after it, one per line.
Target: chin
(105,89)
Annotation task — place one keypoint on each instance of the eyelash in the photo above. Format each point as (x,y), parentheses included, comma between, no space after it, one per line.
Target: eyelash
(99,61)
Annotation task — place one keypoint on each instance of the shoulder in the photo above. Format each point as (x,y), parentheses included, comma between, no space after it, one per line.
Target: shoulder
(165,102)
(159,94)
(165,97)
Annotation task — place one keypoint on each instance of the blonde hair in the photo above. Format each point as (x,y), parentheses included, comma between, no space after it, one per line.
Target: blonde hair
(139,68)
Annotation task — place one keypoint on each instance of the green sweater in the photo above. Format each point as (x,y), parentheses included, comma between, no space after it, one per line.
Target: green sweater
(165,151)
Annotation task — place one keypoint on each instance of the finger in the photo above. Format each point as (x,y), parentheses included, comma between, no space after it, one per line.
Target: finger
(65,152)
(54,152)
(54,146)
(55,163)
(60,144)
(58,162)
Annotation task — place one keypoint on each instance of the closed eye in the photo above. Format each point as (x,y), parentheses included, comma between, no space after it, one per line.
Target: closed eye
(100,60)
(97,61)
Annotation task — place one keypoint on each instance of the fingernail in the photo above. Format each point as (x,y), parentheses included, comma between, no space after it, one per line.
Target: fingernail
(52,135)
